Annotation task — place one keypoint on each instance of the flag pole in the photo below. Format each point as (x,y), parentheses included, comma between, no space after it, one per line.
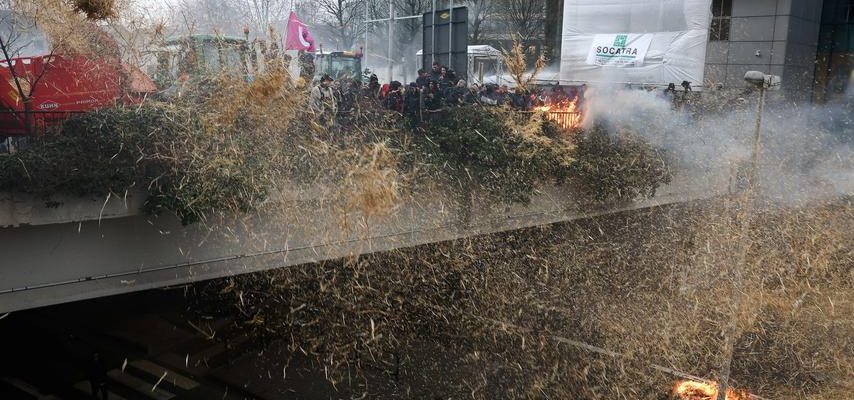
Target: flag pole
(390,40)
(451,37)
(433,35)
(365,51)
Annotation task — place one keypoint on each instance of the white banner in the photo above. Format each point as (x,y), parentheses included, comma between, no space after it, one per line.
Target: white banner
(619,49)
(679,30)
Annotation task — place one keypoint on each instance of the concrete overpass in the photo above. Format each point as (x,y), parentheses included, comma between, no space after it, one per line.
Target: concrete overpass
(72,249)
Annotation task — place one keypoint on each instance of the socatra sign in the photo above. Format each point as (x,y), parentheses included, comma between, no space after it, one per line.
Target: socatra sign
(620,50)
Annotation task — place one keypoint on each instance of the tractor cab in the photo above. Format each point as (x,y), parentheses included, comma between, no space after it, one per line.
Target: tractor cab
(338,64)
(199,56)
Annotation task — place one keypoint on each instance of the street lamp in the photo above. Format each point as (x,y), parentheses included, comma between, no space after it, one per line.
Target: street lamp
(764,83)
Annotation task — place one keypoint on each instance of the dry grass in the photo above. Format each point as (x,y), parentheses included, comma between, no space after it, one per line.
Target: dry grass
(516,60)
(373,185)
(96,9)
(651,285)
(663,286)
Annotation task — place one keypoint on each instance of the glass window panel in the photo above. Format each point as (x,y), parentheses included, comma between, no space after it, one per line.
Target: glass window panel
(715,30)
(724,34)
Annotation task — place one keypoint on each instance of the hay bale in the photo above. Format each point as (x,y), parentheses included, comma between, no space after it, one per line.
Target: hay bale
(96,9)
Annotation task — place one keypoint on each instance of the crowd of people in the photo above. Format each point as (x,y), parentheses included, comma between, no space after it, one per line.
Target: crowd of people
(433,91)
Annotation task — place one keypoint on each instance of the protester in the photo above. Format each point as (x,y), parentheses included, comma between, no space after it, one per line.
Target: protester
(451,77)
(337,100)
(454,95)
(322,99)
(670,91)
(433,100)
(373,89)
(444,83)
(572,94)
(519,100)
(472,96)
(412,105)
(436,72)
(557,94)
(422,79)
(384,90)
(502,95)
(487,95)
(348,95)
(394,98)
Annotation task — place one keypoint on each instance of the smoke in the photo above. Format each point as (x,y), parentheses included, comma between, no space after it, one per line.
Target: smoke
(806,151)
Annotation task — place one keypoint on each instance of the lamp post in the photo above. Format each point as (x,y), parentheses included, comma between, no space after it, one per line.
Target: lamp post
(390,41)
(763,82)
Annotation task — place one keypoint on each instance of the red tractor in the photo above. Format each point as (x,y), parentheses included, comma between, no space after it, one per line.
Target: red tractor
(39,91)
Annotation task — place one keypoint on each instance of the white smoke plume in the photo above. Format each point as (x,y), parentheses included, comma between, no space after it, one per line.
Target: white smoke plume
(806,150)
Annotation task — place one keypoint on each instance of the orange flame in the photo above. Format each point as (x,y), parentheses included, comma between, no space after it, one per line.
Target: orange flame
(692,390)
(564,113)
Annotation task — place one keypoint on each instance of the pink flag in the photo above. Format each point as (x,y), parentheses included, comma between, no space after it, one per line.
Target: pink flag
(298,36)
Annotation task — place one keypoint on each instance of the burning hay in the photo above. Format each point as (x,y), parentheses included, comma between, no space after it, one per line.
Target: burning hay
(691,390)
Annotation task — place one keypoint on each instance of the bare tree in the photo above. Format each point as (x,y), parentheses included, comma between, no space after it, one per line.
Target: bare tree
(21,38)
(212,16)
(342,21)
(553,29)
(265,13)
(479,11)
(526,18)
(408,31)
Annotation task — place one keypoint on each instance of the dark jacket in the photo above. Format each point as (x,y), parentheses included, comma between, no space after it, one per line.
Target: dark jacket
(454,96)
(422,81)
(432,100)
(412,102)
(394,101)
(519,101)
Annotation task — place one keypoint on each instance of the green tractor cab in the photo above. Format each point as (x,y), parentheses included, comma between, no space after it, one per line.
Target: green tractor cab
(339,65)
(196,57)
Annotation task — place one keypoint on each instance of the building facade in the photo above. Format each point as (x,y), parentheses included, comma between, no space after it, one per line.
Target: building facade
(835,57)
(806,42)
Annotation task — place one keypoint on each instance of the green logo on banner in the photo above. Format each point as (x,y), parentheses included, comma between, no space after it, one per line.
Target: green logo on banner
(620,40)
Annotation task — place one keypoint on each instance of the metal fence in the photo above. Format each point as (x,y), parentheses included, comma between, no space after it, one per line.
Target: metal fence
(14,135)
(564,119)
(12,123)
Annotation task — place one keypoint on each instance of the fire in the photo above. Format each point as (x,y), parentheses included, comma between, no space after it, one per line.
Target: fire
(564,113)
(692,390)
(561,106)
